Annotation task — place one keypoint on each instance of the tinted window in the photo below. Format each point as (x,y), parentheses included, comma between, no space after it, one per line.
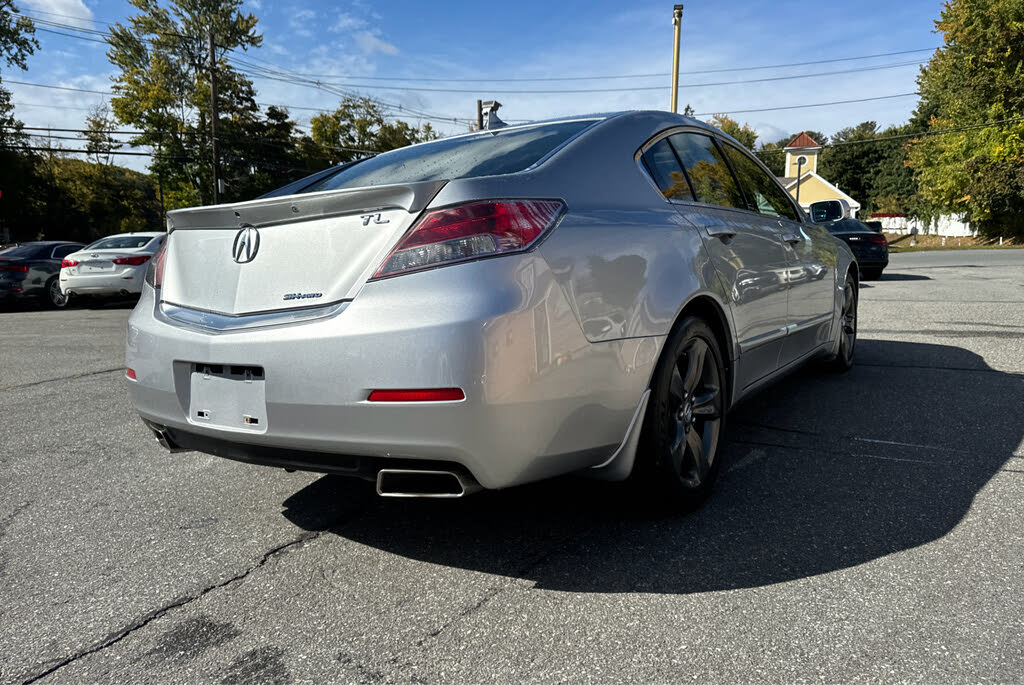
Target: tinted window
(120,242)
(27,252)
(708,172)
(761,189)
(662,165)
(848,226)
(503,151)
(65,250)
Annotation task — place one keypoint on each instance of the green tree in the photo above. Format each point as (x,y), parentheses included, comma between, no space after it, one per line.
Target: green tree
(976,78)
(741,132)
(99,143)
(163,87)
(17,42)
(358,127)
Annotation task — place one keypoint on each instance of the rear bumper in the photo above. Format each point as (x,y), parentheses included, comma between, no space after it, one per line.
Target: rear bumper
(540,399)
(128,279)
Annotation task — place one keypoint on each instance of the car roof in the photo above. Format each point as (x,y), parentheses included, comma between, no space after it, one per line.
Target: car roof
(51,242)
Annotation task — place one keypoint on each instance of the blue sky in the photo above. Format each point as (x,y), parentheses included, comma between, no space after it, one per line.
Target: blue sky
(361,44)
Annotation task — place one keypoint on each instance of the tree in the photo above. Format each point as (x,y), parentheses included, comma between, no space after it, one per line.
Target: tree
(741,132)
(359,127)
(16,44)
(976,78)
(100,144)
(163,87)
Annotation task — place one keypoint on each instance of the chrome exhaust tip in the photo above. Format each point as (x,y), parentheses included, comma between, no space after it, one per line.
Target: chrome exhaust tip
(162,437)
(424,483)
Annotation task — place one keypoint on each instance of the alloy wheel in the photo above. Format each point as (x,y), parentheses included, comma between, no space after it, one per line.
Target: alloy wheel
(695,412)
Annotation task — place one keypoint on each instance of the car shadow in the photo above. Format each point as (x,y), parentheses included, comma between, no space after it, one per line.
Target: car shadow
(887,276)
(820,472)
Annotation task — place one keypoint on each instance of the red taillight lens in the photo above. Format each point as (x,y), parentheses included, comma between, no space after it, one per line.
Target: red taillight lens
(132,261)
(155,272)
(480,229)
(429,395)
(131,374)
(65,263)
(16,268)
(878,240)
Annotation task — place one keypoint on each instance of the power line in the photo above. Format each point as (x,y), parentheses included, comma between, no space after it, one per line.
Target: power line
(815,104)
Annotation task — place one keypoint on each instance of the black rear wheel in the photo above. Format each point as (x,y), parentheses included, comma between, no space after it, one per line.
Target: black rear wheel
(54,296)
(677,459)
(843,360)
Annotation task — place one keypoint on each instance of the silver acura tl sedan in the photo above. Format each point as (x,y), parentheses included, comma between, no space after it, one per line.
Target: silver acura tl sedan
(584,295)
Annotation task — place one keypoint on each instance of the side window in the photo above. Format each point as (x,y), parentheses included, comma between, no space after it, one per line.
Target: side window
(712,181)
(662,165)
(760,188)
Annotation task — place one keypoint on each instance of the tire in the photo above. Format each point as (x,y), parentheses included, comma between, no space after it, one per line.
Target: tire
(54,298)
(871,274)
(843,360)
(677,458)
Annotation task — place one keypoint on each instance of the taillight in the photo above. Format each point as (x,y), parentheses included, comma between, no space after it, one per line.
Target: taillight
(878,240)
(15,268)
(426,395)
(479,229)
(155,272)
(130,373)
(65,263)
(132,261)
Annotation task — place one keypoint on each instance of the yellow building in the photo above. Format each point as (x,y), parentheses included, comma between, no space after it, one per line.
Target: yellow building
(802,159)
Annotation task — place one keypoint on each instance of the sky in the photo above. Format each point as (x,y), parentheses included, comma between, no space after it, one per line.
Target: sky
(431,61)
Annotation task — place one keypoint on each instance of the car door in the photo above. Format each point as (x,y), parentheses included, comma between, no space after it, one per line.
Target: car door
(748,254)
(811,257)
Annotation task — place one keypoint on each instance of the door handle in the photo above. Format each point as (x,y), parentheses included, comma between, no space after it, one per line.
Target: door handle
(720,231)
(792,238)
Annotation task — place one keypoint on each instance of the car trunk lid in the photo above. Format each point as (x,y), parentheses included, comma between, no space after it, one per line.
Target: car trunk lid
(288,252)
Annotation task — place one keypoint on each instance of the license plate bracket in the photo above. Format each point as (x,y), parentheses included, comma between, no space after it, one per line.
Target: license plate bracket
(231,396)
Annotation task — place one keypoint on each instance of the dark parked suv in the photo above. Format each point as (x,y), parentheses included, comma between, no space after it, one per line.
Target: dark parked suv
(30,271)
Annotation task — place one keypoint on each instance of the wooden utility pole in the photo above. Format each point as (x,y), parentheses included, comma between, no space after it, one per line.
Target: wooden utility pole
(479,115)
(677,24)
(214,116)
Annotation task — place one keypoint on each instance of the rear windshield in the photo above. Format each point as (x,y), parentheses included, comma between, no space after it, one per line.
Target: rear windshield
(504,151)
(27,252)
(848,226)
(121,242)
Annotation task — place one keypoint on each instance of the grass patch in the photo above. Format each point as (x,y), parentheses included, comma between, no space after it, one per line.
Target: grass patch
(924,243)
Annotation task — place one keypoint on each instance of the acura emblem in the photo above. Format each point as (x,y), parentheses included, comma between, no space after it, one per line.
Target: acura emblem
(247,244)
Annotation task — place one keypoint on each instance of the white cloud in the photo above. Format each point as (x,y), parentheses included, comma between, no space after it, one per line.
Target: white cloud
(370,44)
(72,12)
(347,22)
(300,22)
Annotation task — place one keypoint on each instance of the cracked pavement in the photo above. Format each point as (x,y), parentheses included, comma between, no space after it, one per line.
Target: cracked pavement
(866,528)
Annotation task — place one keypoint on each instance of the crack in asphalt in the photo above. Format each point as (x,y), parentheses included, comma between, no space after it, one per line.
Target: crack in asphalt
(146,619)
(62,378)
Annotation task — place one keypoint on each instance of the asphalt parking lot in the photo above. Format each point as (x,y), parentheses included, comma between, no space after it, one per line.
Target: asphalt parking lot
(866,527)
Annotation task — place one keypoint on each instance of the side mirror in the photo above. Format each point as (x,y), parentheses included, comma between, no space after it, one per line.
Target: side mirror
(829,210)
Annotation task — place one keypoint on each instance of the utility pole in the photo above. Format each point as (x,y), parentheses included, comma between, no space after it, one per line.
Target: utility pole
(677,24)
(479,115)
(213,116)
(799,168)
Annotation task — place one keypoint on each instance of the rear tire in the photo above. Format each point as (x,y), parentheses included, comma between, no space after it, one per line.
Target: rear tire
(843,361)
(677,458)
(55,298)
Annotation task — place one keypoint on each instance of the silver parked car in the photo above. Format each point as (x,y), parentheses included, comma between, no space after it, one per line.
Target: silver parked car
(584,295)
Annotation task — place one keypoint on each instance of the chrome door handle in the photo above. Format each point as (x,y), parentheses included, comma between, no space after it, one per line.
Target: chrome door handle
(792,238)
(720,231)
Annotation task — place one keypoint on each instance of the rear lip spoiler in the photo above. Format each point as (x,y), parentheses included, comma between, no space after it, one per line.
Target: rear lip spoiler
(413,198)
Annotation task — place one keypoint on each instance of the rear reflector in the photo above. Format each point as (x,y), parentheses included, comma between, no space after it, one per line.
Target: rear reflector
(65,263)
(130,373)
(132,261)
(478,229)
(429,395)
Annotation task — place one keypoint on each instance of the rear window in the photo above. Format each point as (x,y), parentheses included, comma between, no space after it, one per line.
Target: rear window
(26,252)
(712,181)
(504,151)
(120,242)
(847,226)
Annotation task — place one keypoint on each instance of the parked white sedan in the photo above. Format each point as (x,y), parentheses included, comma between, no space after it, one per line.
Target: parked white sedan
(115,265)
